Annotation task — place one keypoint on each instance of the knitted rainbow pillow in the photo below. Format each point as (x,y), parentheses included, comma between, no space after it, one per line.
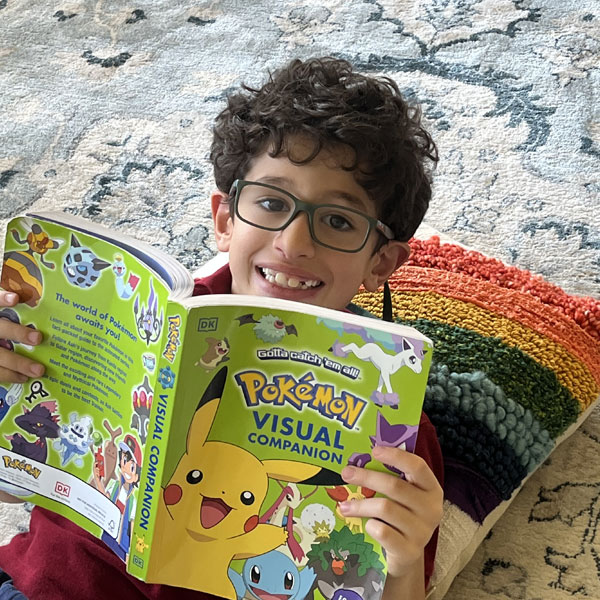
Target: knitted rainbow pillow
(515,370)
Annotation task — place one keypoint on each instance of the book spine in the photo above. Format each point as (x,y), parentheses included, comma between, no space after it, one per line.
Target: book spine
(165,388)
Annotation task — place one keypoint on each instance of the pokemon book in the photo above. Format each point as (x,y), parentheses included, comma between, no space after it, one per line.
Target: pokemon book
(201,438)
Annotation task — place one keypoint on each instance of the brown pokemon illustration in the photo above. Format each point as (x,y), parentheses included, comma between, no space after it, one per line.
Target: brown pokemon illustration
(110,452)
(215,354)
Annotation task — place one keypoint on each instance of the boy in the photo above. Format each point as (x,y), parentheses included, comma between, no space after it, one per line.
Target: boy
(322,179)
(121,493)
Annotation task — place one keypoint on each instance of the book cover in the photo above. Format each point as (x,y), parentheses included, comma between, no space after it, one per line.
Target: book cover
(201,438)
(268,402)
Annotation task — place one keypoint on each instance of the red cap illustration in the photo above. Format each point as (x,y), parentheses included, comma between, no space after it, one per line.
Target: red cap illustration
(130,444)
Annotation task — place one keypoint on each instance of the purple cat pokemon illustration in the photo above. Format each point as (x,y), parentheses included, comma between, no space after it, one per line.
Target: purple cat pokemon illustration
(42,422)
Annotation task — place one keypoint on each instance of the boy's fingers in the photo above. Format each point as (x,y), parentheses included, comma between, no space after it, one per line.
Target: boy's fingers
(14,367)
(393,526)
(390,519)
(399,547)
(385,534)
(414,467)
(8,298)
(388,484)
(387,511)
(7,376)
(19,333)
(416,470)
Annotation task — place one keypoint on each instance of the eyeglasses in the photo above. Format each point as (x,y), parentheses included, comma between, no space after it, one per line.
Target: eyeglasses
(268,207)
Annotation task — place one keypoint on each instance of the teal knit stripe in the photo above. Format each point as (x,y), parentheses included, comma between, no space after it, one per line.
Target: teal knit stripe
(476,395)
(521,378)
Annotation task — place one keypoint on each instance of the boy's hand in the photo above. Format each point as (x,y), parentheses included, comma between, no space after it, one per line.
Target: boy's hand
(405,520)
(15,368)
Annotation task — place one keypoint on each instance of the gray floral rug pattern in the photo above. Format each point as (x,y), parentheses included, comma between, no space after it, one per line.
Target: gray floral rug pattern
(106,108)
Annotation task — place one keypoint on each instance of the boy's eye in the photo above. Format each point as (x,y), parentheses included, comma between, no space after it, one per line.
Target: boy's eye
(338,222)
(273,204)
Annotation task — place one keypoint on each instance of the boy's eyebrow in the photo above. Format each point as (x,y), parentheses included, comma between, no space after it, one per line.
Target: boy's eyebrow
(283,182)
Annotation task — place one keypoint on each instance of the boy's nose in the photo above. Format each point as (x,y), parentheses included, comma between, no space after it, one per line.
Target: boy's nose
(295,240)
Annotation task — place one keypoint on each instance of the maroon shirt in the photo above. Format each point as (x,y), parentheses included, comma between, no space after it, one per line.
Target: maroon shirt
(58,560)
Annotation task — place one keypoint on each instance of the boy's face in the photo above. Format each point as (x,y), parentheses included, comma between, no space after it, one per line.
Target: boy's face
(129,470)
(330,277)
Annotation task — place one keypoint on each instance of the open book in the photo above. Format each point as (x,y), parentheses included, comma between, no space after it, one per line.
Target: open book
(202,438)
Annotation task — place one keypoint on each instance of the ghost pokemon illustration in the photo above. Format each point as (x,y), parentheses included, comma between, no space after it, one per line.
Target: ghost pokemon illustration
(209,512)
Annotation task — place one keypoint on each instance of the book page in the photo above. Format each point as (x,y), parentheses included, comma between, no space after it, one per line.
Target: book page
(72,441)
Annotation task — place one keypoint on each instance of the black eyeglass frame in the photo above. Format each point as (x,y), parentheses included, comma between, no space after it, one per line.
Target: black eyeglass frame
(308,208)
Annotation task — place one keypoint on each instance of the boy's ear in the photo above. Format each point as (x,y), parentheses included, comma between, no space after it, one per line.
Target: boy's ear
(384,262)
(223,224)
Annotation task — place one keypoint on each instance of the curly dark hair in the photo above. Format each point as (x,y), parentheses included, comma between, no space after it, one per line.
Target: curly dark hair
(325,101)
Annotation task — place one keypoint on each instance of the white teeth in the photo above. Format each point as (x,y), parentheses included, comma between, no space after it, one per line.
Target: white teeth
(283,280)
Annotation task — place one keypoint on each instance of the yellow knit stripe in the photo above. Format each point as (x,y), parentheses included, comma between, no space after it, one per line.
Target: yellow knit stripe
(570,372)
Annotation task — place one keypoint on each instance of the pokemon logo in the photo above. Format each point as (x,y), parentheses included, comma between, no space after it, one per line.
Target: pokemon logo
(21,465)
(346,407)
(173,338)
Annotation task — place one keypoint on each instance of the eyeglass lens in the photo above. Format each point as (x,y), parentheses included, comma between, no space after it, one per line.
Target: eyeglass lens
(331,225)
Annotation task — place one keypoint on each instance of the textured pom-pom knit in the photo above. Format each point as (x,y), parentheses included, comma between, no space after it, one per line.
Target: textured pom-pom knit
(516,362)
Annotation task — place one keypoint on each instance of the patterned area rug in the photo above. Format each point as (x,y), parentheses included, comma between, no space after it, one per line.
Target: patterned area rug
(106,113)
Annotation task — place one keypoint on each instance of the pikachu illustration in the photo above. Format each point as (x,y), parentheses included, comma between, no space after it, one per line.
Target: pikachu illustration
(209,511)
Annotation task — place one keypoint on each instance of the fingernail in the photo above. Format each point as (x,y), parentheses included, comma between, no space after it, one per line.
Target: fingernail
(348,473)
(37,370)
(344,507)
(11,297)
(35,337)
(377,451)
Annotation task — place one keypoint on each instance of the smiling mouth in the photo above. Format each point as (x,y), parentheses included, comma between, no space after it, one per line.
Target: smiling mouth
(213,511)
(282,280)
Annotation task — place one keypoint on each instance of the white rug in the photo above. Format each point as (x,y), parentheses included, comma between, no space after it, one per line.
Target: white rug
(106,112)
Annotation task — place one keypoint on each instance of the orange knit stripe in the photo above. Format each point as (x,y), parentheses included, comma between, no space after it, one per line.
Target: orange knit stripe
(545,319)
(584,310)
(570,372)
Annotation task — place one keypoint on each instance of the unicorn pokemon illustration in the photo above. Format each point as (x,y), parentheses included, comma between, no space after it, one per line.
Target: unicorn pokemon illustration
(148,322)
(386,364)
(209,511)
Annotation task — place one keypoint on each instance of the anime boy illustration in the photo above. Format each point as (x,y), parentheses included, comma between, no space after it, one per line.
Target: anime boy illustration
(121,492)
